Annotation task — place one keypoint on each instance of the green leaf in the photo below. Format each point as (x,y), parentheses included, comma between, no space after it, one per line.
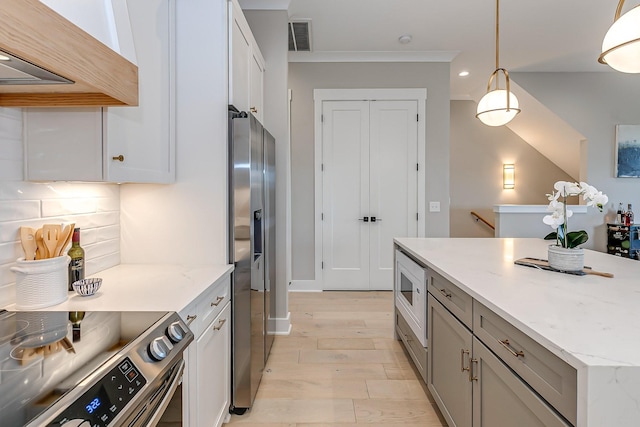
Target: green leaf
(551,236)
(576,238)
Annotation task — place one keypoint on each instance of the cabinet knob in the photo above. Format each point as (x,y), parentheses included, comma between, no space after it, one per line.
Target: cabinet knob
(119,158)
(253,109)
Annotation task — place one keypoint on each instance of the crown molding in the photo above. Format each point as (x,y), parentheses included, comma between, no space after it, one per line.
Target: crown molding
(344,56)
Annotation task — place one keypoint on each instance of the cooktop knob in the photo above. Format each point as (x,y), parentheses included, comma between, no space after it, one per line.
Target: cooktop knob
(159,348)
(175,332)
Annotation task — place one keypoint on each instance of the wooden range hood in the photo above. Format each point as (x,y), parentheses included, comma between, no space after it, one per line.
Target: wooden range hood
(37,34)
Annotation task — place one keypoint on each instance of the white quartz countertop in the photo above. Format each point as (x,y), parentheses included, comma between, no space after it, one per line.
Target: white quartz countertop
(591,322)
(586,320)
(145,287)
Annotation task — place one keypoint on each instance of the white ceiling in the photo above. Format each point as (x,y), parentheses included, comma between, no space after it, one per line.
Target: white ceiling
(535,35)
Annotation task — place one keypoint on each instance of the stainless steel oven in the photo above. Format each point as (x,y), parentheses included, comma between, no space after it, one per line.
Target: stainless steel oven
(411,295)
(92,369)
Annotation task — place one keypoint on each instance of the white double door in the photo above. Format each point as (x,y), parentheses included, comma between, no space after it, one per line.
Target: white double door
(369,189)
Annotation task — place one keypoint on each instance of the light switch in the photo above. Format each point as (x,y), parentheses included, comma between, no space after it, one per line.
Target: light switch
(434,206)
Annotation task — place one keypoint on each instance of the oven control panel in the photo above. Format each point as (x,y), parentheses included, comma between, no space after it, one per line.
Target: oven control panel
(104,400)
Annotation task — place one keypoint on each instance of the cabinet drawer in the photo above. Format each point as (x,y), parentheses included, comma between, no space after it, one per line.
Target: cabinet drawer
(417,352)
(546,373)
(211,303)
(455,299)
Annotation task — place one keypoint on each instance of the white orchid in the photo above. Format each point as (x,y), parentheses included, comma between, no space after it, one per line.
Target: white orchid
(557,220)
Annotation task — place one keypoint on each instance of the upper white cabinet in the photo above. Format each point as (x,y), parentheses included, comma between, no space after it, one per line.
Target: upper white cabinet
(246,65)
(116,144)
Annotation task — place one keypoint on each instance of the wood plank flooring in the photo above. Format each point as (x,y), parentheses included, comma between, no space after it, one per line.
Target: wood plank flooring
(340,367)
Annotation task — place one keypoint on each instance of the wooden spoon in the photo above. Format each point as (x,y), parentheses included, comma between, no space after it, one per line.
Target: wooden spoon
(65,238)
(28,240)
(50,235)
(41,252)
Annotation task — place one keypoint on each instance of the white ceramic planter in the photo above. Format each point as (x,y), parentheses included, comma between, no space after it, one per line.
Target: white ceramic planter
(566,259)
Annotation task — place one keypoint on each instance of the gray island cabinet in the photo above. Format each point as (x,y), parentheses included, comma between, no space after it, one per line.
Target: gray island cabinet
(509,345)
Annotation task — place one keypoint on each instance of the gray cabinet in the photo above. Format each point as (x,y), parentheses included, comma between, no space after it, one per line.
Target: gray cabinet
(502,399)
(449,343)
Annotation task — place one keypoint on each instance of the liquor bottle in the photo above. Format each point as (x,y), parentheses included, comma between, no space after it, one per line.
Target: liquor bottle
(76,253)
(628,218)
(619,215)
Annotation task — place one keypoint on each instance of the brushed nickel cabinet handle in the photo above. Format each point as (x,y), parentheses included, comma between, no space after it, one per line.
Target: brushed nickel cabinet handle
(119,158)
(445,293)
(462,353)
(217,302)
(506,344)
(191,318)
(253,109)
(471,377)
(220,323)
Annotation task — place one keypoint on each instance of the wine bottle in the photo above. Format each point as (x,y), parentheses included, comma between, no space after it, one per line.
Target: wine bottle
(619,215)
(629,216)
(76,253)
(76,318)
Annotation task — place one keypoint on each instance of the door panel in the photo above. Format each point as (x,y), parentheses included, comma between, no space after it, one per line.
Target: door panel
(394,180)
(369,156)
(345,194)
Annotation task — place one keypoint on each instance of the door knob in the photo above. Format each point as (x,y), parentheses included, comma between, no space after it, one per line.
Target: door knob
(365,219)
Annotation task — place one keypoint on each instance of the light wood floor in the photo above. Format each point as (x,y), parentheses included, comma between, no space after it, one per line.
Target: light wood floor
(341,367)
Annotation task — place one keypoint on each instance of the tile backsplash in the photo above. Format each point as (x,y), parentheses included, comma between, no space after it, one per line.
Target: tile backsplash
(95,208)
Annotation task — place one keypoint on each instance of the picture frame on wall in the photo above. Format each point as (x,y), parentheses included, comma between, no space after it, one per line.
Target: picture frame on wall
(627,151)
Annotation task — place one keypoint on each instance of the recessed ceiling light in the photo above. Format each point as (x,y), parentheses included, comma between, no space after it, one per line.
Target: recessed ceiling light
(464,73)
(404,39)
(4,58)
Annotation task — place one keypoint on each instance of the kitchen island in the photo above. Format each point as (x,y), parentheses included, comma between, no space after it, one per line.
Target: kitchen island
(590,323)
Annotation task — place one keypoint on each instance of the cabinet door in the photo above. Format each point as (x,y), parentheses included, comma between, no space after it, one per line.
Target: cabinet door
(256,99)
(502,399)
(449,359)
(240,57)
(145,135)
(213,367)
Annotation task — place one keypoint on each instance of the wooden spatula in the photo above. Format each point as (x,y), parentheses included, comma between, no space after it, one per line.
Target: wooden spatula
(65,238)
(50,235)
(28,240)
(41,252)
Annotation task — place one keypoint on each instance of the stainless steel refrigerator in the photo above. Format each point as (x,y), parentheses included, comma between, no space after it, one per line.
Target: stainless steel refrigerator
(252,251)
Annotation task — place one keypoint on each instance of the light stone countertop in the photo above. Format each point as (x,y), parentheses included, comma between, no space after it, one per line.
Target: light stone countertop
(591,322)
(145,287)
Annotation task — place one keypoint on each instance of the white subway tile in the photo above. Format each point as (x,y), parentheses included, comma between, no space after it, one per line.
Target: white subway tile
(7,276)
(11,150)
(9,252)
(10,170)
(108,204)
(101,248)
(61,207)
(95,265)
(19,210)
(107,233)
(7,295)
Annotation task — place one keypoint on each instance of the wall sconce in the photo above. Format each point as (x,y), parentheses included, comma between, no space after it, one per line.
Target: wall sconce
(508,176)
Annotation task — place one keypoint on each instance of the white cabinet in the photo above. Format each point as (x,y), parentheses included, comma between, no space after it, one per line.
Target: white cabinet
(246,65)
(115,144)
(207,384)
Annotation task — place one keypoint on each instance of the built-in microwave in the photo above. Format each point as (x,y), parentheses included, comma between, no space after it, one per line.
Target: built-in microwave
(411,295)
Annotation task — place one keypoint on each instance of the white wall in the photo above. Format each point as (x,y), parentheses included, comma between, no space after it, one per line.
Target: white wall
(477,155)
(95,208)
(593,103)
(269,27)
(303,79)
(187,222)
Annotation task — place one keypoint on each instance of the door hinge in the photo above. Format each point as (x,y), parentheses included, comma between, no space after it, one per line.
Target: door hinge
(322,217)
(417,117)
(322,118)
(322,167)
(417,166)
(417,216)
(322,265)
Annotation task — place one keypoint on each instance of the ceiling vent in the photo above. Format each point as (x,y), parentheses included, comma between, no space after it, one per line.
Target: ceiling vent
(300,35)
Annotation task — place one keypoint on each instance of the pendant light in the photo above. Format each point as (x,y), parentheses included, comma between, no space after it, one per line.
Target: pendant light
(621,44)
(498,106)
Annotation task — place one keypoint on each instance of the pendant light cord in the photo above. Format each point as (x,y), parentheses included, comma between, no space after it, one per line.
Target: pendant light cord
(497,34)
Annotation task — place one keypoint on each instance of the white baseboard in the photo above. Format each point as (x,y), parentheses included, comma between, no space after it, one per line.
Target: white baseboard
(281,325)
(305,286)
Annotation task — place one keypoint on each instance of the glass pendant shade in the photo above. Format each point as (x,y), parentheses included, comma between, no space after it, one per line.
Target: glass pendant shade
(621,45)
(493,110)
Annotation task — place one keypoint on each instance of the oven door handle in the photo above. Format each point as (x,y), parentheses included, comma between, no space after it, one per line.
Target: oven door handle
(174,380)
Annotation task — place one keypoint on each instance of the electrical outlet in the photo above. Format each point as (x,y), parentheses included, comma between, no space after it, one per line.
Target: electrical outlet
(434,206)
